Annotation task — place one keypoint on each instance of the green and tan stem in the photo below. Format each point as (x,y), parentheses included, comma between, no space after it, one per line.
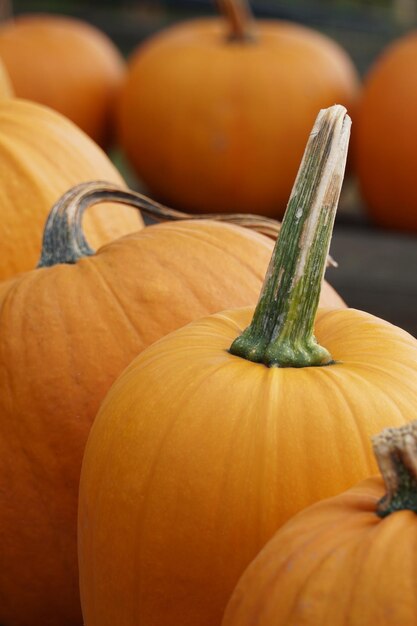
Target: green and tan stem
(240,18)
(395,450)
(64,240)
(281,331)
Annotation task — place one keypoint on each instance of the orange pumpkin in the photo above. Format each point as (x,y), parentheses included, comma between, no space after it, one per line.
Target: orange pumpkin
(6,90)
(386,148)
(67,331)
(346,560)
(197,457)
(204,446)
(215,115)
(66,64)
(42,154)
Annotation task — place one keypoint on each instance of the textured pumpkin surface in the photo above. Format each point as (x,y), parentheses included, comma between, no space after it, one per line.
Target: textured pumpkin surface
(66,333)
(66,64)
(335,564)
(42,155)
(386,150)
(212,123)
(197,457)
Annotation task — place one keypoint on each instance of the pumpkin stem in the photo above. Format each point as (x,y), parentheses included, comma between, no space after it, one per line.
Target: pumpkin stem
(281,331)
(395,450)
(239,15)
(64,240)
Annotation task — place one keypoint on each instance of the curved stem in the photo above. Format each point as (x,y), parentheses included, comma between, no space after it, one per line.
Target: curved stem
(240,18)
(64,240)
(281,331)
(395,450)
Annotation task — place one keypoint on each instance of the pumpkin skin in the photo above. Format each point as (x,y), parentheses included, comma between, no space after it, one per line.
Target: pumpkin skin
(87,321)
(66,64)
(196,457)
(6,90)
(42,154)
(385,137)
(335,563)
(231,118)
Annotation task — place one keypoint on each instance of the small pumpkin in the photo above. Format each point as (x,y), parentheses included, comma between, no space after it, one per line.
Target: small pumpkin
(346,560)
(67,331)
(209,441)
(42,154)
(386,150)
(66,64)
(213,114)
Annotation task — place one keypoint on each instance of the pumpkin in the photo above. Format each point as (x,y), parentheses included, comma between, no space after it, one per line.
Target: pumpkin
(203,447)
(6,90)
(346,560)
(213,114)
(42,154)
(386,150)
(66,64)
(67,330)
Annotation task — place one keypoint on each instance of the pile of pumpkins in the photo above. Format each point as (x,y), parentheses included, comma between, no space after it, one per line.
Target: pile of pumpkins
(208,111)
(197,456)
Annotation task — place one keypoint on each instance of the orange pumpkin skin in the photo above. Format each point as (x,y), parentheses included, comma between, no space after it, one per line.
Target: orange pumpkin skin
(66,64)
(6,90)
(196,458)
(66,333)
(210,124)
(386,128)
(42,154)
(336,563)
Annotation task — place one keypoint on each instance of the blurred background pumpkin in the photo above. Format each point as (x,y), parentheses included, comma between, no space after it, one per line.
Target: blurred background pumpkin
(66,64)
(6,89)
(215,112)
(386,148)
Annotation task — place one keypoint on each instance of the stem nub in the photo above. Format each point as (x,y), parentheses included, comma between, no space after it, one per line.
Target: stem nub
(395,450)
(240,18)
(64,240)
(281,331)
